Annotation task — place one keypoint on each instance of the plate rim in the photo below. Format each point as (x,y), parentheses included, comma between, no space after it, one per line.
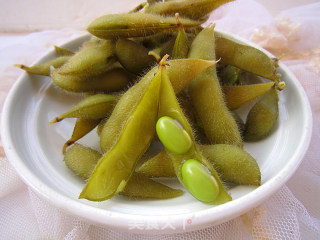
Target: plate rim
(120,220)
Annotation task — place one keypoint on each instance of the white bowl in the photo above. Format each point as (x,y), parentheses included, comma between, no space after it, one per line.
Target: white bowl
(34,149)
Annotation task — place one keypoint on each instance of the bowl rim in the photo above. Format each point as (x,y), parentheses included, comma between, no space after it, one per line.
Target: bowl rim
(120,221)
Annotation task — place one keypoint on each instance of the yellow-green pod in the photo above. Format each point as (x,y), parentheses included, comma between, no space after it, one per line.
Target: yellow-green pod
(181,44)
(63,51)
(135,25)
(207,96)
(82,161)
(193,9)
(262,117)
(246,57)
(180,71)
(44,68)
(115,168)
(116,79)
(189,164)
(92,59)
(81,128)
(237,96)
(92,107)
(133,56)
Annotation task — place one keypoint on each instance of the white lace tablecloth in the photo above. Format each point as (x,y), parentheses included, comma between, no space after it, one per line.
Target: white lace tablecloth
(291,213)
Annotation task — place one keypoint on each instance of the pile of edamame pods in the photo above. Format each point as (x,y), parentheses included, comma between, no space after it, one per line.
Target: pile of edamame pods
(151,75)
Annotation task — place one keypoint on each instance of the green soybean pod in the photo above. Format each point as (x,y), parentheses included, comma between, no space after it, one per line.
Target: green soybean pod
(63,51)
(82,161)
(115,79)
(237,96)
(92,59)
(181,44)
(229,75)
(180,71)
(207,96)
(193,9)
(135,25)
(133,56)
(92,107)
(115,168)
(233,164)
(262,117)
(246,57)
(44,68)
(169,107)
(81,128)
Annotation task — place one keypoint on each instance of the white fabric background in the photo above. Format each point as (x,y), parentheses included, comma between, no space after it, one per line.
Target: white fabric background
(292,213)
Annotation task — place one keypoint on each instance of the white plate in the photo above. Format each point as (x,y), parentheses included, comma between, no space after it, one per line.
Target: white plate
(34,149)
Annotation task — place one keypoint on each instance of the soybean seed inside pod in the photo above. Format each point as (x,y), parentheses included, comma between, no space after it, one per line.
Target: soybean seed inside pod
(135,25)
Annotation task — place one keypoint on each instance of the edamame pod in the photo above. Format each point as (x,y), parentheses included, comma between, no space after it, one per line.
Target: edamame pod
(237,96)
(135,25)
(229,75)
(193,9)
(92,107)
(180,72)
(63,51)
(82,161)
(44,68)
(92,59)
(133,56)
(233,164)
(169,107)
(116,79)
(181,44)
(117,165)
(81,128)
(207,96)
(246,57)
(262,117)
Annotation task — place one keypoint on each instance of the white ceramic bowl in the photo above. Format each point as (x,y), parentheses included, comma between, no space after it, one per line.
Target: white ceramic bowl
(34,149)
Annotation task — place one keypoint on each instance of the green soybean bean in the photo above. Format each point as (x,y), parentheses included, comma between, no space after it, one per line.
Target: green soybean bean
(133,56)
(115,79)
(237,96)
(193,9)
(233,164)
(262,117)
(173,136)
(81,128)
(44,68)
(199,181)
(135,25)
(246,58)
(207,96)
(92,107)
(180,71)
(168,106)
(92,59)
(82,161)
